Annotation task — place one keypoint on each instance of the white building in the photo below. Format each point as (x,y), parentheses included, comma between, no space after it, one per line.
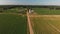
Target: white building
(31,11)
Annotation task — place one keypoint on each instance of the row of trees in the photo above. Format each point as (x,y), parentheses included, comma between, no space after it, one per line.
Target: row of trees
(6,7)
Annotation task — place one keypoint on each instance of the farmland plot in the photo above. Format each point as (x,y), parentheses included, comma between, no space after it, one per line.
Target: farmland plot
(46,11)
(48,24)
(13,24)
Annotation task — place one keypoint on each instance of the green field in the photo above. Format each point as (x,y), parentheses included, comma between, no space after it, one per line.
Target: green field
(46,11)
(12,10)
(46,25)
(13,24)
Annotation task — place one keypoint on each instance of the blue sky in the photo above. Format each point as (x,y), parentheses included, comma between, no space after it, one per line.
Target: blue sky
(29,2)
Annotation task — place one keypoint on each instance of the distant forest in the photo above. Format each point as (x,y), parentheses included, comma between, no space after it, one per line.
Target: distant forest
(28,6)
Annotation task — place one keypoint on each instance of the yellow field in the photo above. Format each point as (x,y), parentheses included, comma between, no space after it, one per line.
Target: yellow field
(45,24)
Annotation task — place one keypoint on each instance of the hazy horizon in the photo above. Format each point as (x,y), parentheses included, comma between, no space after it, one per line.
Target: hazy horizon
(30,2)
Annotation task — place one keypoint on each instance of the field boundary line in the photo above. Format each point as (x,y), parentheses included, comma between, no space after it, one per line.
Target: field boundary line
(14,13)
(29,24)
(44,15)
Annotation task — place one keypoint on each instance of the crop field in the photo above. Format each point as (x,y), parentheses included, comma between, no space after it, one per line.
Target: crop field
(45,24)
(45,21)
(13,24)
(46,11)
(12,10)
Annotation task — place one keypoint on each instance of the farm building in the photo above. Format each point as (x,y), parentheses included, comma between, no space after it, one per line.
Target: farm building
(31,10)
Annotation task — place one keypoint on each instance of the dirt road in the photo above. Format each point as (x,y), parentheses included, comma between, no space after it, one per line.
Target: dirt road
(29,24)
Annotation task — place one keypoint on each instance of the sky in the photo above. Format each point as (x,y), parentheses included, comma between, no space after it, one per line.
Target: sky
(29,2)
